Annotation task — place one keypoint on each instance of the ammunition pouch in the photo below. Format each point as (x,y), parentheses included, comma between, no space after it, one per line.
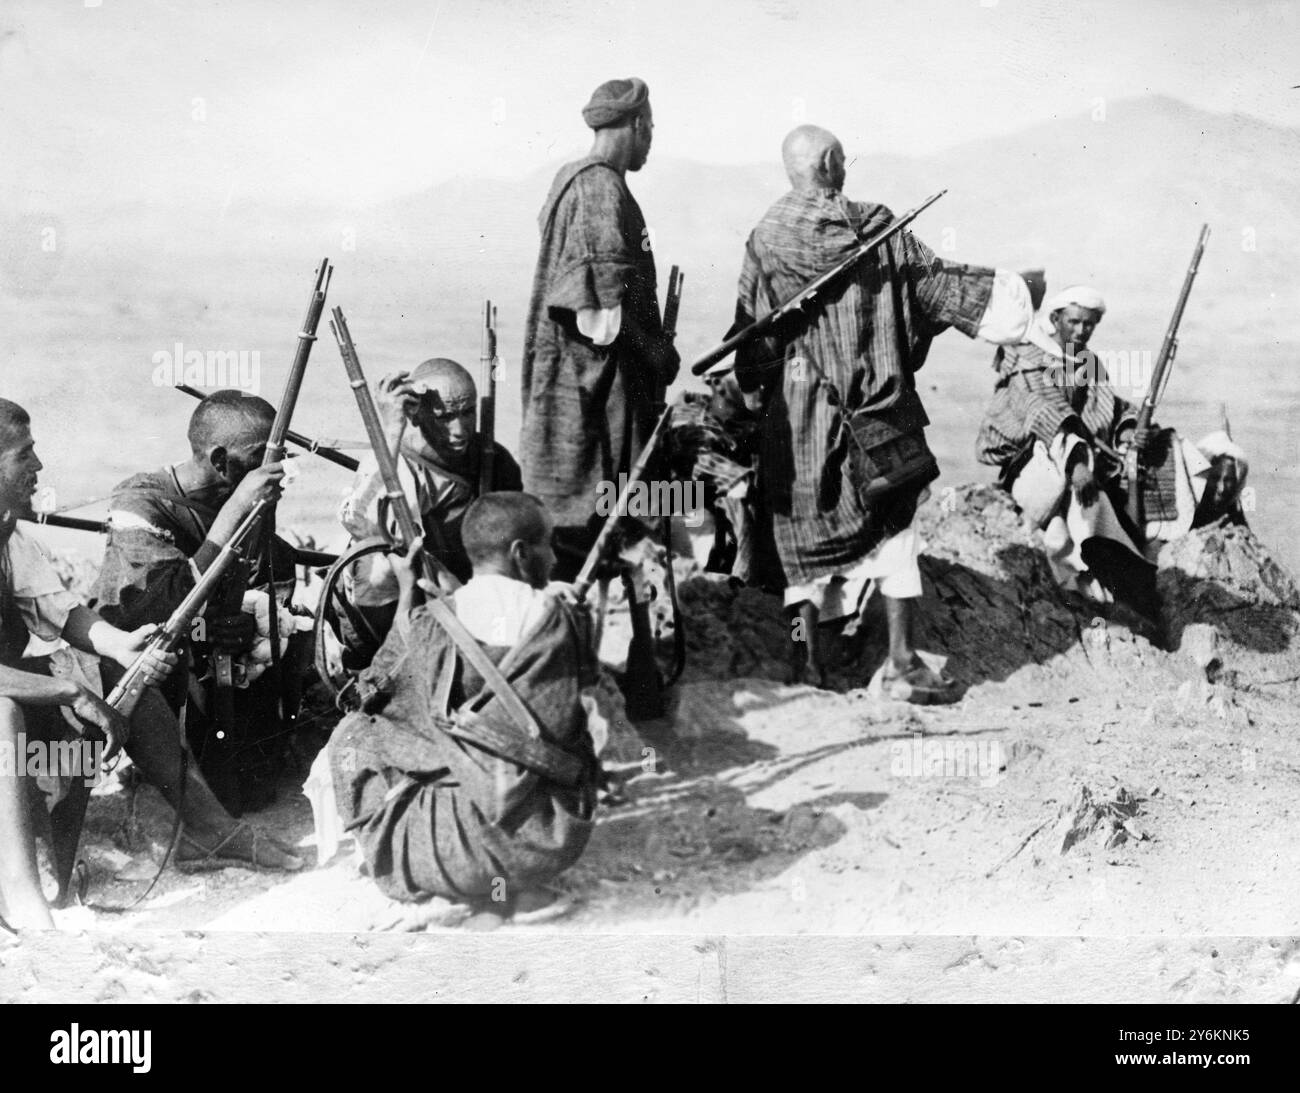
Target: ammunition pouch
(887,449)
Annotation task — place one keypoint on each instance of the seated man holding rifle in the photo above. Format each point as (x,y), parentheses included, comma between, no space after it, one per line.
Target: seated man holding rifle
(165,528)
(1058,431)
(34,604)
(470,772)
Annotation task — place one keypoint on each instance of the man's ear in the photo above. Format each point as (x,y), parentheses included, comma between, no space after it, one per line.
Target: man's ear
(518,554)
(219,460)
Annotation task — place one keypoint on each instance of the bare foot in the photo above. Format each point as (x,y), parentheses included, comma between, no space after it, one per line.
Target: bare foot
(413,917)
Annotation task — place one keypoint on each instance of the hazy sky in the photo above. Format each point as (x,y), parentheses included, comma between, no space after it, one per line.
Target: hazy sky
(198,103)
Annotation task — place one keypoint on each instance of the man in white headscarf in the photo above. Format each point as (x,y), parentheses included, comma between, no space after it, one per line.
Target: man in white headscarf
(1057,430)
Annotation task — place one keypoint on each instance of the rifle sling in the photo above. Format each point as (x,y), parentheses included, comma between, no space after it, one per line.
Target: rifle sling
(527,747)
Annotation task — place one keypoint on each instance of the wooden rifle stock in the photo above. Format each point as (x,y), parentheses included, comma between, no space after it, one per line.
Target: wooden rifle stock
(672,302)
(672,305)
(809,292)
(1159,381)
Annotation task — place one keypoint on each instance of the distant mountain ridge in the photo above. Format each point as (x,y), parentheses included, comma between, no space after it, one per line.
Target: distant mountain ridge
(1116,201)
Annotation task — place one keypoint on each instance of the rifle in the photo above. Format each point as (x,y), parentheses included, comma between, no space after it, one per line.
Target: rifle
(314,447)
(58,520)
(487,403)
(598,550)
(672,305)
(1159,380)
(305,556)
(225,580)
(672,302)
(406,523)
(809,292)
(229,601)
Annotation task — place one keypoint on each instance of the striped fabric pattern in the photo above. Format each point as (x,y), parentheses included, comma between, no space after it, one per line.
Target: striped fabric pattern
(855,349)
(1034,398)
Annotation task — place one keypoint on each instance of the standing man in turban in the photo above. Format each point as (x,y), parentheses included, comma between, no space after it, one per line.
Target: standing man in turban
(594,347)
(843,462)
(1056,429)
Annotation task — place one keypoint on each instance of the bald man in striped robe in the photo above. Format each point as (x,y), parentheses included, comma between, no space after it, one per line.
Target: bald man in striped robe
(838,399)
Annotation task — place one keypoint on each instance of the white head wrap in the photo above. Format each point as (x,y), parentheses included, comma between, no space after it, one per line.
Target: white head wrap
(1080,295)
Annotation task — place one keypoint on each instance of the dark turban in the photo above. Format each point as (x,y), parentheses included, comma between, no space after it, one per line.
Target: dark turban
(614,101)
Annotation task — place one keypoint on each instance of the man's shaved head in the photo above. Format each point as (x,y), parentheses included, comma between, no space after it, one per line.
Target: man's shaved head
(448,386)
(13,420)
(495,520)
(230,420)
(813,157)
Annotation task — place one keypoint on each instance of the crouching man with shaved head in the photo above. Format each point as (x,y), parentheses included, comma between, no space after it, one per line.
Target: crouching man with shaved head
(459,786)
(34,604)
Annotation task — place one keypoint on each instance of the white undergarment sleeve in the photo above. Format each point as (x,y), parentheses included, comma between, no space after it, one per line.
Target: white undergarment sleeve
(1010,310)
(601,325)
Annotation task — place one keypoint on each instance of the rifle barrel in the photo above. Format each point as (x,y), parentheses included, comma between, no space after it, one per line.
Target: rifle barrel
(765,322)
(293,384)
(384,457)
(1159,380)
(487,417)
(76,523)
(313,447)
(586,578)
(1169,347)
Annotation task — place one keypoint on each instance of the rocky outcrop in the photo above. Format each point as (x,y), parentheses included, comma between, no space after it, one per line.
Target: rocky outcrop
(1230,607)
(992,608)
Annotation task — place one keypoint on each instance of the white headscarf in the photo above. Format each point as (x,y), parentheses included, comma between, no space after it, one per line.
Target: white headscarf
(1080,295)
(1041,331)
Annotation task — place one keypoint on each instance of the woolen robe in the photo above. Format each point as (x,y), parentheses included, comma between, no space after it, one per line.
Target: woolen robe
(854,350)
(588,409)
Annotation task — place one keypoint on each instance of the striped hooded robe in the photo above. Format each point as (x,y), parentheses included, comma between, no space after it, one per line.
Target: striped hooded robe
(855,349)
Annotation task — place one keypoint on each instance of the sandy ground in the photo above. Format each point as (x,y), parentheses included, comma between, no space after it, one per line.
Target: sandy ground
(1100,789)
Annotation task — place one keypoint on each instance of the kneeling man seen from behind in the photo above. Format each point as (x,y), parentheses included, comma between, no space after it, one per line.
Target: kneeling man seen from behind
(459,782)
